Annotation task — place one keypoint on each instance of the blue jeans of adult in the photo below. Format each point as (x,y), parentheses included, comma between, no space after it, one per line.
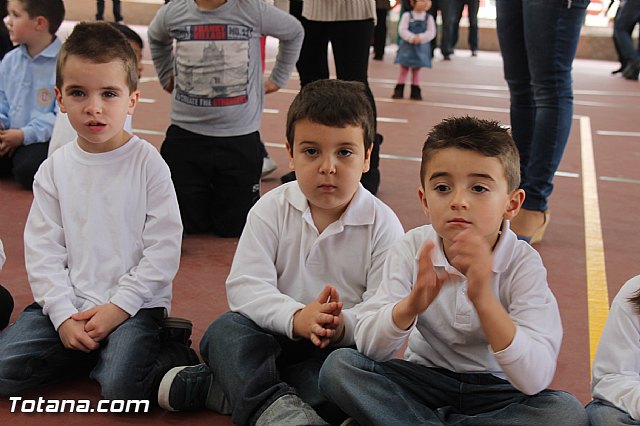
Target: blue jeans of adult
(601,413)
(538,40)
(254,367)
(399,392)
(627,18)
(32,355)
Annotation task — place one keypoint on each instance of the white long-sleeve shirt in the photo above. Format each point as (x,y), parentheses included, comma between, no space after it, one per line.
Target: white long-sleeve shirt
(102,228)
(406,35)
(616,366)
(281,263)
(449,334)
(2,256)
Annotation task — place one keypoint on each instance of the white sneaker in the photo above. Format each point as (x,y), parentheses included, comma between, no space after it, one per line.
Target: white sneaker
(268,166)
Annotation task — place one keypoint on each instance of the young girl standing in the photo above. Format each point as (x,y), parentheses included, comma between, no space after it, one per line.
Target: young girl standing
(616,366)
(416,29)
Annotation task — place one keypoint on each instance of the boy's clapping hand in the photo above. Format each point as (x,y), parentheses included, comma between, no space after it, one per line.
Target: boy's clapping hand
(320,320)
(471,254)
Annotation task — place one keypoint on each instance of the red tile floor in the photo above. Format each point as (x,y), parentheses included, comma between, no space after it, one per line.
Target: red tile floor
(591,247)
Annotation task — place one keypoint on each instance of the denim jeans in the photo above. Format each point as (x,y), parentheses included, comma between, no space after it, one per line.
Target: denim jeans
(254,367)
(602,413)
(32,355)
(399,392)
(627,18)
(538,40)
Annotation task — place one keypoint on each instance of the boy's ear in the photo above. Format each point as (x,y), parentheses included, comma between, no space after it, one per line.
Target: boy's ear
(513,205)
(423,200)
(42,23)
(133,101)
(367,160)
(59,99)
(290,152)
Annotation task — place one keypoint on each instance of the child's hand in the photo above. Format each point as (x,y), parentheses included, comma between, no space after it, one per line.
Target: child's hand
(101,320)
(168,87)
(416,40)
(74,336)
(10,140)
(270,87)
(316,321)
(336,329)
(471,254)
(425,289)
(428,282)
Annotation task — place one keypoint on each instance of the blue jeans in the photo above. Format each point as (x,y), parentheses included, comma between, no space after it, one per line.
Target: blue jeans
(404,393)
(254,367)
(125,365)
(538,40)
(627,18)
(602,413)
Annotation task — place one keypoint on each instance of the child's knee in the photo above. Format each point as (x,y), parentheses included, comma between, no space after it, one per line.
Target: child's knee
(563,405)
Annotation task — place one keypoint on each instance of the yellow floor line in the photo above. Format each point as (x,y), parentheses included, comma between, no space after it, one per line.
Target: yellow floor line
(597,293)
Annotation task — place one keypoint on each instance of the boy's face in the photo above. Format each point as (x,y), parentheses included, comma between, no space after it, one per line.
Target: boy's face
(467,190)
(328,162)
(97,99)
(21,26)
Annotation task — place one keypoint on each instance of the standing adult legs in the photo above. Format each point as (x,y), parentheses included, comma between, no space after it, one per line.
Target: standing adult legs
(626,19)
(538,40)
(380,34)
(472,13)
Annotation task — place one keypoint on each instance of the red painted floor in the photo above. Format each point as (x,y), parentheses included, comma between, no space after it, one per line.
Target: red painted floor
(464,85)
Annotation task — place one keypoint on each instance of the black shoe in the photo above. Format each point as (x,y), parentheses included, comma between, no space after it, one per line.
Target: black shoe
(474,53)
(447,58)
(416,94)
(618,71)
(632,70)
(377,58)
(289,177)
(398,91)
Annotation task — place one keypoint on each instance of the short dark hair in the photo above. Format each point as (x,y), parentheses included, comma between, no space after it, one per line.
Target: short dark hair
(53,10)
(101,43)
(486,137)
(333,103)
(128,33)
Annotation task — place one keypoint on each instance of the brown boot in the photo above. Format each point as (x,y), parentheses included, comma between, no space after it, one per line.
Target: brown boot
(416,95)
(398,91)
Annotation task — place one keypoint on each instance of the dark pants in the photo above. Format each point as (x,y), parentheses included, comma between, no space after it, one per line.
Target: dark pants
(627,18)
(380,33)
(125,365)
(117,15)
(24,163)
(217,179)
(454,22)
(6,307)
(255,367)
(444,6)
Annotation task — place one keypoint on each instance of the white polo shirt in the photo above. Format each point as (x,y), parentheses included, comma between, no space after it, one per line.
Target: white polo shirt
(282,263)
(448,334)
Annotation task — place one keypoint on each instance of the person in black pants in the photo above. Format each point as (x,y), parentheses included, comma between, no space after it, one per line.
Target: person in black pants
(456,8)
(5,41)
(117,11)
(380,31)
(350,41)
(6,301)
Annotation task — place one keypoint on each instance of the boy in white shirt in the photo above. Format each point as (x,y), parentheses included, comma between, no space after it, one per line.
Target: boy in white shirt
(102,240)
(483,326)
(311,252)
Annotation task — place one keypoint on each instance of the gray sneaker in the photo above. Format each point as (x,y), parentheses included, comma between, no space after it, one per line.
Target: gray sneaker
(190,388)
(289,410)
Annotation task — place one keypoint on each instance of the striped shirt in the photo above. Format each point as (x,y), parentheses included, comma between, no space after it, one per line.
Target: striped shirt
(339,10)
